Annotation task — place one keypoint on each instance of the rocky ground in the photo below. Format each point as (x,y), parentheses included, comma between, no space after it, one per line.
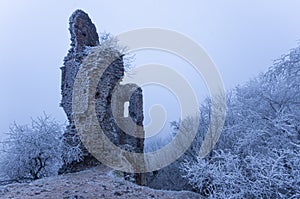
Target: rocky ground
(98,182)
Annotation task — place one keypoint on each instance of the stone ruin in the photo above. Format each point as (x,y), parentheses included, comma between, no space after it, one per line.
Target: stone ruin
(83,37)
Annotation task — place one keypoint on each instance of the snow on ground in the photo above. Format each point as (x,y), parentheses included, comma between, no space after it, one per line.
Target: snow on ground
(89,184)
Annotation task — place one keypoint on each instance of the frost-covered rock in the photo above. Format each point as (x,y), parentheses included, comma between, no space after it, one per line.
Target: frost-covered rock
(83,38)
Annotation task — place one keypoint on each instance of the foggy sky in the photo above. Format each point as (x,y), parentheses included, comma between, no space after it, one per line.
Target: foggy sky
(241,38)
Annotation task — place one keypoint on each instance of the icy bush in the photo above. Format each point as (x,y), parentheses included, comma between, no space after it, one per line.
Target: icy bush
(35,151)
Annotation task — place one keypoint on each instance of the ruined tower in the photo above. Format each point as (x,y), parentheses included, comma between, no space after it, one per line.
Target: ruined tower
(83,37)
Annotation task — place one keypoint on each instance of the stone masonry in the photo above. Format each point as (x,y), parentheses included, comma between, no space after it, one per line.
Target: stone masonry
(83,37)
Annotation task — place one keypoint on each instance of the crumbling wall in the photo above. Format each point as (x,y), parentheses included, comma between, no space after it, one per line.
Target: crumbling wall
(83,37)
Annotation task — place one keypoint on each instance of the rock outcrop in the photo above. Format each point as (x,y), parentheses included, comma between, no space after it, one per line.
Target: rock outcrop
(83,37)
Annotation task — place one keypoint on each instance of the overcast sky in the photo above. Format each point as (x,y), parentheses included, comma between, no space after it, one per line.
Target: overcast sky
(241,38)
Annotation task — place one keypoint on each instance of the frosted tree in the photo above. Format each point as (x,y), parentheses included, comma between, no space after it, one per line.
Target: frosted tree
(33,151)
(71,149)
(257,155)
(218,176)
(227,175)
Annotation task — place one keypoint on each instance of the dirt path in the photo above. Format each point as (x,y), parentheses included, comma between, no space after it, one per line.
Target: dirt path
(93,183)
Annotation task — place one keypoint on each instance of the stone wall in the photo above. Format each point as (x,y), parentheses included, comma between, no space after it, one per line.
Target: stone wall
(83,37)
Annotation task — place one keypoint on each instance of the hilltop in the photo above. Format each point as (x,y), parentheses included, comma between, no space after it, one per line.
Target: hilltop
(97,182)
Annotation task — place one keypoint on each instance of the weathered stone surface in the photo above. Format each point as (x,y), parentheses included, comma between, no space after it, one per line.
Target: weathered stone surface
(83,37)
(83,34)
